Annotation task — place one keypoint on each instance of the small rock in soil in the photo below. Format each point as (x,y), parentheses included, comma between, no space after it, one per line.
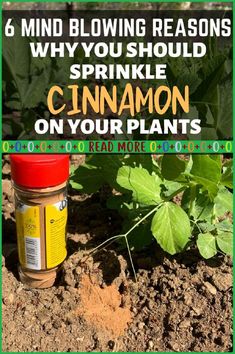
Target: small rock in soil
(6,169)
(70,318)
(134,310)
(187,299)
(43,316)
(57,324)
(185,324)
(111,344)
(11,298)
(69,279)
(150,304)
(78,270)
(197,310)
(8,300)
(7,188)
(223,281)
(210,288)
(141,325)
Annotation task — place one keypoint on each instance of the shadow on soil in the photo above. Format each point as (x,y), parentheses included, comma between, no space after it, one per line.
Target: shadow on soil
(90,219)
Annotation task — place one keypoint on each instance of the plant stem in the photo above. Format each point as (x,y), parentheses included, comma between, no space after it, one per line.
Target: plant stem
(195,222)
(102,244)
(141,220)
(181,189)
(131,260)
(113,238)
(192,198)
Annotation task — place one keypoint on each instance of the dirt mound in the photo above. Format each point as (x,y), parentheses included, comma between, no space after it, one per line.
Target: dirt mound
(181,303)
(178,305)
(102,308)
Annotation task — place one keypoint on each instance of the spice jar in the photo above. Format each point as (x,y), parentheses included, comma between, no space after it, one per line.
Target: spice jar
(40,186)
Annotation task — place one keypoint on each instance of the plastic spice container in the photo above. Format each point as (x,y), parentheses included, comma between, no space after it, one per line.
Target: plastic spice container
(40,186)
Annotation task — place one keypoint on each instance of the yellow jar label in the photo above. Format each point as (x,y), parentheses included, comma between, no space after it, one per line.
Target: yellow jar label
(41,234)
(28,235)
(55,222)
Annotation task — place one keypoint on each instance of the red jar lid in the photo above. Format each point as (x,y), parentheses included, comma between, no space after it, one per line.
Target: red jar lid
(39,171)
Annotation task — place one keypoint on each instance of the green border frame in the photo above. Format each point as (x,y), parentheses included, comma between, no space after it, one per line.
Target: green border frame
(102,1)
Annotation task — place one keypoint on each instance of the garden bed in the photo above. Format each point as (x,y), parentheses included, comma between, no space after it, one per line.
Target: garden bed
(179,303)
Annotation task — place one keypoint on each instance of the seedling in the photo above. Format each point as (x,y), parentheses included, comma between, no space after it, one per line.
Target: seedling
(178,202)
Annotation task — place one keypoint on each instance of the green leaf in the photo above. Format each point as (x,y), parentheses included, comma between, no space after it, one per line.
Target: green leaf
(206,167)
(129,210)
(223,201)
(11,97)
(225,242)
(208,134)
(87,179)
(224,225)
(145,188)
(36,90)
(144,161)
(108,165)
(171,227)
(11,128)
(225,114)
(201,208)
(172,167)
(141,237)
(217,159)
(189,164)
(97,171)
(211,187)
(16,54)
(116,201)
(211,72)
(206,172)
(190,79)
(75,185)
(208,95)
(206,244)
(206,227)
(169,187)
(227,176)
(30,75)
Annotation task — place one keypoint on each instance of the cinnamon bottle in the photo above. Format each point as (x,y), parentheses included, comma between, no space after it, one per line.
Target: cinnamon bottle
(40,188)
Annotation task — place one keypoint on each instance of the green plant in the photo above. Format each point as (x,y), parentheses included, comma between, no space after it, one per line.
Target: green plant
(26,81)
(179,202)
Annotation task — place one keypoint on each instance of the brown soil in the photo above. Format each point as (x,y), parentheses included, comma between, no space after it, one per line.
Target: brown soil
(102,307)
(180,303)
